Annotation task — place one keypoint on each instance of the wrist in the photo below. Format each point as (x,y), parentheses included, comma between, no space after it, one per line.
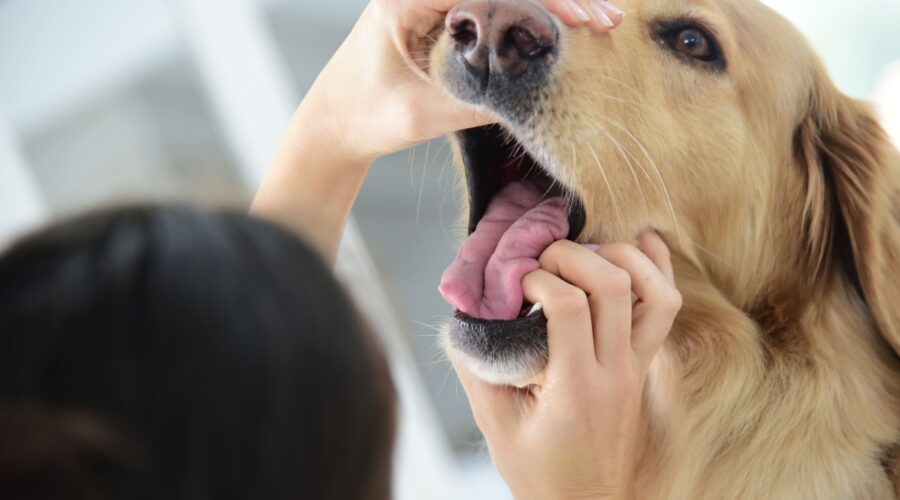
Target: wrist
(313,180)
(317,135)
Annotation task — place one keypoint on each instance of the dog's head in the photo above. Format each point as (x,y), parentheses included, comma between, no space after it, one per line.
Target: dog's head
(709,120)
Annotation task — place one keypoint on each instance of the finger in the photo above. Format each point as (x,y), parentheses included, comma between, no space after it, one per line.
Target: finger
(452,115)
(431,5)
(647,281)
(658,300)
(608,290)
(653,246)
(613,12)
(446,114)
(601,17)
(651,330)
(569,331)
(495,408)
(569,11)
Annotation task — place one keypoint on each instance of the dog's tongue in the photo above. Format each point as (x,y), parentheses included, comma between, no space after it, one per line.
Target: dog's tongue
(485,279)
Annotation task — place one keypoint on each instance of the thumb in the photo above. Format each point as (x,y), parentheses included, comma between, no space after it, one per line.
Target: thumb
(447,114)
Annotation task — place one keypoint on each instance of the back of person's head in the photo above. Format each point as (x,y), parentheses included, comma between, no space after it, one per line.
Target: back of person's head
(171,353)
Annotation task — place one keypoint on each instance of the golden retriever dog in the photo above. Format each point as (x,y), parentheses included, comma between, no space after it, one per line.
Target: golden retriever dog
(713,122)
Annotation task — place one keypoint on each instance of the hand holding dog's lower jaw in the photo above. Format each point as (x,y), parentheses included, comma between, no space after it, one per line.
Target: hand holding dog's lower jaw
(576,435)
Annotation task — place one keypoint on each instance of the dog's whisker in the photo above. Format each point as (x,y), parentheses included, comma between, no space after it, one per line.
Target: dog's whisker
(444,382)
(422,182)
(438,360)
(554,181)
(653,165)
(602,67)
(624,84)
(411,157)
(637,106)
(620,85)
(598,92)
(711,253)
(636,160)
(445,195)
(597,127)
(606,180)
(634,105)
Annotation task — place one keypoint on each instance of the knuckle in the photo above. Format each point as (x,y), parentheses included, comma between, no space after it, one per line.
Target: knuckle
(569,301)
(616,281)
(622,249)
(671,300)
(554,252)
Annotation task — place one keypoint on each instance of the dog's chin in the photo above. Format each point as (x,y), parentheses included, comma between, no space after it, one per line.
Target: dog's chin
(499,352)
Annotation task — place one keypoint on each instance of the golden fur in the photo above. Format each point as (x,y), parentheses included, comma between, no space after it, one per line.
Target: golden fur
(780,198)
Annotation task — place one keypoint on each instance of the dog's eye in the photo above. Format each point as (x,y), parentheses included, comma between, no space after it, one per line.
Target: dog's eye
(692,42)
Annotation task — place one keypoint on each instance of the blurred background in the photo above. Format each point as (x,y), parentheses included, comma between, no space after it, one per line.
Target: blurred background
(108,101)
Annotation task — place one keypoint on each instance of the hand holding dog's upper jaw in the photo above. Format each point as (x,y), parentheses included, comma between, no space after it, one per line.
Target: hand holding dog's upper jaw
(376,92)
(372,99)
(575,435)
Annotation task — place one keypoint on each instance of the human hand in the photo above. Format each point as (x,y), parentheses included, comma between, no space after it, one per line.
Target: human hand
(575,435)
(375,96)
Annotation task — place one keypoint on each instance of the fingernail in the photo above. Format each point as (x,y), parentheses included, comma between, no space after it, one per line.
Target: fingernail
(535,308)
(600,14)
(591,247)
(612,9)
(577,10)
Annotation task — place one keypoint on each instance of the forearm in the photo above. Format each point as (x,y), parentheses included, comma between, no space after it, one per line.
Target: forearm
(312,182)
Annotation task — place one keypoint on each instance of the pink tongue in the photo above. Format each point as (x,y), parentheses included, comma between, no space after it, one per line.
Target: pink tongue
(485,280)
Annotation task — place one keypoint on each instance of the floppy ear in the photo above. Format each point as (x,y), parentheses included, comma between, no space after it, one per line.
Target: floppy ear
(853,200)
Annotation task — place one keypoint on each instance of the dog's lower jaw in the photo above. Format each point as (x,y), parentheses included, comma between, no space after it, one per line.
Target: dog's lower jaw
(517,371)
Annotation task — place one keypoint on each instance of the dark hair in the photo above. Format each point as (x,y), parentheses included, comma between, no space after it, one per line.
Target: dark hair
(217,350)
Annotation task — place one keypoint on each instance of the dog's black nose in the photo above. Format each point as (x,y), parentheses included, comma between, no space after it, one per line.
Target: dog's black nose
(504,39)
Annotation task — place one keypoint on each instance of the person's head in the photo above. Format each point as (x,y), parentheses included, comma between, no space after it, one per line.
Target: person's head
(172,353)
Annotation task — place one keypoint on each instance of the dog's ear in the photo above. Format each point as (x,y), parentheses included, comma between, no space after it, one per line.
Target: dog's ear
(853,200)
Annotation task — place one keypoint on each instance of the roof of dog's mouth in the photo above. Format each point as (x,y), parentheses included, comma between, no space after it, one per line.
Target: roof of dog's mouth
(493,159)
(516,210)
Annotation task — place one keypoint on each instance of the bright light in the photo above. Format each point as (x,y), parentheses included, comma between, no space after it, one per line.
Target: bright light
(887,100)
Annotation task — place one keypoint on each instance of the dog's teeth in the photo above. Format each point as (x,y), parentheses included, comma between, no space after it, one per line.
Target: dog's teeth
(535,308)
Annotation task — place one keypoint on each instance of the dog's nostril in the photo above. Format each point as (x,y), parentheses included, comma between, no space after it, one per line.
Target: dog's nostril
(523,42)
(500,40)
(464,33)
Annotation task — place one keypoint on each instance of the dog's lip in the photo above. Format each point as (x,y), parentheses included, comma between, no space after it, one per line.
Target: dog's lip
(533,311)
(498,336)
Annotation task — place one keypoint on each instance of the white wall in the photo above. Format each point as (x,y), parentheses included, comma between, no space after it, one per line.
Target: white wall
(855,39)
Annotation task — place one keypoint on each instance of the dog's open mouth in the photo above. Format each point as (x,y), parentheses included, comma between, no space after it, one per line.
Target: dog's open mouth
(516,210)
